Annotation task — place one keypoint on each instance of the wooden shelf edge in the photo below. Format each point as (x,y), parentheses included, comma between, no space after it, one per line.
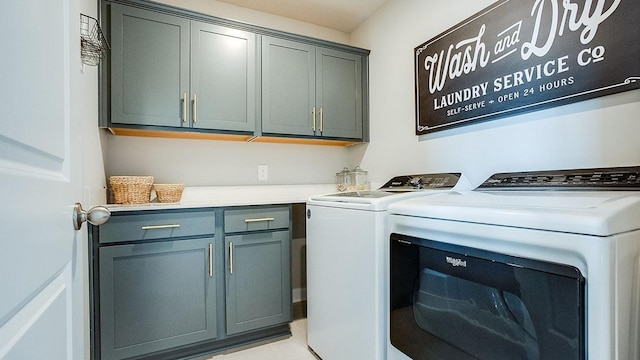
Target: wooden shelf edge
(178,134)
(227,137)
(302,141)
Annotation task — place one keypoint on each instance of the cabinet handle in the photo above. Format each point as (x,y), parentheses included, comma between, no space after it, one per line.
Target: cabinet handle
(321,120)
(184,107)
(156,227)
(313,116)
(195,108)
(210,260)
(259,220)
(230,257)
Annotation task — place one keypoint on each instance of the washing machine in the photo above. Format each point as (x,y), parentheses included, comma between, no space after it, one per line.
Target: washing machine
(346,242)
(532,265)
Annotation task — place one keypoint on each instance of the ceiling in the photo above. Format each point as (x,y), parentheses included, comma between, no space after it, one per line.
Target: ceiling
(341,15)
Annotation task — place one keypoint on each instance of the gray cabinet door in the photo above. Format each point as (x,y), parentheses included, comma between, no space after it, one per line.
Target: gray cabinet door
(339,93)
(223,80)
(149,67)
(258,280)
(288,87)
(308,90)
(155,296)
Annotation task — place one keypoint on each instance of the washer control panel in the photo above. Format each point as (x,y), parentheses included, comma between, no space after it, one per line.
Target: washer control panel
(422,181)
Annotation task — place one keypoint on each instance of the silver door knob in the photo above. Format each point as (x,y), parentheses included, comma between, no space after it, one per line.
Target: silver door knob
(97,215)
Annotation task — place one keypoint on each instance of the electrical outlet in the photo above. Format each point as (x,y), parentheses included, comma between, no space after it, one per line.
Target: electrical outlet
(263,173)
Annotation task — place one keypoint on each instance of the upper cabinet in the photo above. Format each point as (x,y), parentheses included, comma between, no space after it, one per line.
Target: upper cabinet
(223,79)
(339,93)
(172,72)
(177,73)
(149,67)
(288,87)
(310,91)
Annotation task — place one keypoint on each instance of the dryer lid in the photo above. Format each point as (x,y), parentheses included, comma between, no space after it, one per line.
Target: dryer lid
(591,201)
(592,213)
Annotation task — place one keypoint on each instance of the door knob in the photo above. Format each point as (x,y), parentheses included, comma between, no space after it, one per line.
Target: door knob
(97,215)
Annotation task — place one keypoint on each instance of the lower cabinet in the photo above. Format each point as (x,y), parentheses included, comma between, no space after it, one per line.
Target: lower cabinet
(173,284)
(156,296)
(258,280)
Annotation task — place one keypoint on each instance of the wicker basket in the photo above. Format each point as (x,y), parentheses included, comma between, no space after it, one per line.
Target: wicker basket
(131,189)
(168,192)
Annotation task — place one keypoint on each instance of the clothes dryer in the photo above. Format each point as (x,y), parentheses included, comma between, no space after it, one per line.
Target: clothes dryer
(536,265)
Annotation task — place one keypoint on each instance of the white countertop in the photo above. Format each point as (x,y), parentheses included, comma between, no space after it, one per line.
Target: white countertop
(219,196)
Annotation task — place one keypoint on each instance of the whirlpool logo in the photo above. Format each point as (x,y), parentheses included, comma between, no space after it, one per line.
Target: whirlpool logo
(456,262)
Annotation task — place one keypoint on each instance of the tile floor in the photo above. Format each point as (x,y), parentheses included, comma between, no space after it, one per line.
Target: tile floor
(293,348)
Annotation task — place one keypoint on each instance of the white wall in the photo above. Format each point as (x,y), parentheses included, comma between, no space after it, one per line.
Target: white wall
(232,12)
(599,132)
(207,162)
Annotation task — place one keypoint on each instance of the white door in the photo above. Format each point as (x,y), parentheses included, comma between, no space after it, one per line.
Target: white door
(40,179)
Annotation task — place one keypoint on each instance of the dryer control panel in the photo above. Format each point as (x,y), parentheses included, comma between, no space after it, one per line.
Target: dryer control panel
(617,178)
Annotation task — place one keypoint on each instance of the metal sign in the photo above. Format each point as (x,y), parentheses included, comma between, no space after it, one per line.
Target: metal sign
(523,55)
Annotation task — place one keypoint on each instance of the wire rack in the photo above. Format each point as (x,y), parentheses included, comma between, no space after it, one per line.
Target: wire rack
(93,45)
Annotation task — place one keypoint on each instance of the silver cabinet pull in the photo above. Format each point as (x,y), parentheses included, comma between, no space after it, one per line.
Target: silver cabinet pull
(259,220)
(321,120)
(313,116)
(230,258)
(210,260)
(184,107)
(156,227)
(195,108)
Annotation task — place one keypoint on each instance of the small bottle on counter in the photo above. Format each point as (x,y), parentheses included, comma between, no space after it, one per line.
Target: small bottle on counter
(343,179)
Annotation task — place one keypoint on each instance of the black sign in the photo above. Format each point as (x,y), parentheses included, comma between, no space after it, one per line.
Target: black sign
(524,55)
